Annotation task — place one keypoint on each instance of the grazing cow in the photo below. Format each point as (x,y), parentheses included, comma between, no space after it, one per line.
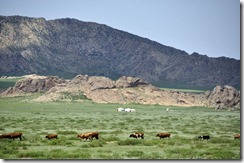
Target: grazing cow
(120,109)
(204,137)
(237,136)
(5,136)
(129,110)
(132,110)
(88,135)
(137,135)
(13,135)
(163,135)
(94,135)
(52,136)
(84,136)
(133,135)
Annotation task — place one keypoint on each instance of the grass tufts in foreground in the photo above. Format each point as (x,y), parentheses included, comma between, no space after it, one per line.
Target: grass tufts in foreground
(68,119)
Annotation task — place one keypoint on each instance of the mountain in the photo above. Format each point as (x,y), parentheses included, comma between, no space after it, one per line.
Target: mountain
(67,47)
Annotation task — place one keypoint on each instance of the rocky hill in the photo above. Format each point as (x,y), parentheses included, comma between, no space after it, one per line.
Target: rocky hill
(67,47)
(124,90)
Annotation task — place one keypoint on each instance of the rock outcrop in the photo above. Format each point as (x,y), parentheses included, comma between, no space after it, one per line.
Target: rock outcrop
(222,97)
(33,85)
(124,90)
(125,82)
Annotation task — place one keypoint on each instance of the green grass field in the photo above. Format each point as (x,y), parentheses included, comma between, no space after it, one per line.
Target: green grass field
(184,90)
(5,83)
(68,119)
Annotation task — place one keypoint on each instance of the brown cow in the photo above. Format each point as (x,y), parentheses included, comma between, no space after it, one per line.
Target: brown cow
(13,135)
(84,136)
(5,136)
(88,135)
(137,135)
(163,135)
(237,136)
(52,136)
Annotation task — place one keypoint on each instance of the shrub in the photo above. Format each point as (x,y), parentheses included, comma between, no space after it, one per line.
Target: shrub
(68,95)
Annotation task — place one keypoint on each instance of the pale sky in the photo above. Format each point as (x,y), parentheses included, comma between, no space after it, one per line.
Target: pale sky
(208,27)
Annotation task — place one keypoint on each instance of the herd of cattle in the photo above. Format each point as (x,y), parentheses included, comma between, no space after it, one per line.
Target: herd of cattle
(91,135)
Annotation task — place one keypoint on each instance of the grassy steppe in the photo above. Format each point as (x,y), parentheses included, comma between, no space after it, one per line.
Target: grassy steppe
(6,83)
(68,119)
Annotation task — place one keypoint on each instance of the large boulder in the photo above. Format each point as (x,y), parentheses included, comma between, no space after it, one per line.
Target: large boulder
(98,82)
(92,83)
(223,97)
(125,82)
(33,85)
(79,79)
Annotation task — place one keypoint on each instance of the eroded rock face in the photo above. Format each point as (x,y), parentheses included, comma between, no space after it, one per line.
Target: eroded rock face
(33,85)
(79,79)
(125,82)
(95,83)
(124,90)
(223,97)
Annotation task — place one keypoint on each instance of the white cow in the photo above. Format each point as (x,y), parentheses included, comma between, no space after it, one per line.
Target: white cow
(120,109)
(127,109)
(132,110)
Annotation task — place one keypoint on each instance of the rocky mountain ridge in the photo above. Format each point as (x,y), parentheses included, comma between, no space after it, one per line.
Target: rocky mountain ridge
(68,47)
(124,90)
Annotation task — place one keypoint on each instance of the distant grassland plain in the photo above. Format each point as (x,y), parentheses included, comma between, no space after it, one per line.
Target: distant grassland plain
(9,82)
(68,119)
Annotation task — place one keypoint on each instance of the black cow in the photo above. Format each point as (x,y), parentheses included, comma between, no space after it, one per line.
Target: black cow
(204,137)
(52,136)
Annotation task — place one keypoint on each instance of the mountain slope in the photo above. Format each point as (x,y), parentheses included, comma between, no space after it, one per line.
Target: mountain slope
(66,47)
